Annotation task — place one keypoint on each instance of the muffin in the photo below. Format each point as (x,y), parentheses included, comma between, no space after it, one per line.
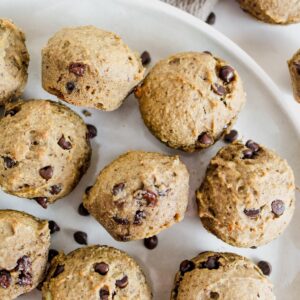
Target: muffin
(294,68)
(94,271)
(189,100)
(226,276)
(139,194)
(87,66)
(24,244)
(14,60)
(44,150)
(247,198)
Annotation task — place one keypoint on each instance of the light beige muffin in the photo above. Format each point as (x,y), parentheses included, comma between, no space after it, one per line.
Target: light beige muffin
(44,150)
(95,272)
(223,276)
(139,194)
(24,245)
(88,66)
(247,197)
(294,68)
(273,11)
(14,60)
(190,99)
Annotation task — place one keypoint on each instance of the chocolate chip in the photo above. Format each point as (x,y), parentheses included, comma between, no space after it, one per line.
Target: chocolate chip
(5,279)
(82,210)
(187,266)
(278,207)
(231,136)
(226,74)
(87,190)
(59,269)
(92,131)
(24,266)
(53,227)
(253,247)
(253,146)
(205,139)
(55,189)
(247,154)
(211,19)
(211,263)
(70,86)
(252,213)
(64,144)
(265,267)
(101,268)
(42,201)
(51,254)
(297,66)
(151,198)
(118,188)
(24,279)
(104,293)
(151,242)
(77,68)
(138,217)
(120,221)
(81,237)
(145,58)
(214,295)
(122,283)
(9,163)
(207,52)
(219,89)
(46,172)
(12,111)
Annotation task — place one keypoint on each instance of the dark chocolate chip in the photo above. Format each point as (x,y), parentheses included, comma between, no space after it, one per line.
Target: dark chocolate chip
(102,268)
(51,254)
(87,190)
(253,247)
(247,154)
(151,242)
(77,68)
(5,279)
(64,144)
(211,19)
(297,66)
(205,139)
(278,207)
(24,267)
(214,295)
(211,263)
(104,293)
(187,266)
(120,221)
(53,226)
(118,188)
(145,58)
(151,198)
(81,237)
(12,111)
(70,86)
(122,283)
(219,89)
(252,145)
(207,52)
(226,74)
(265,267)
(252,213)
(59,269)
(24,279)
(42,201)
(138,217)
(55,189)
(82,210)
(46,172)
(231,136)
(9,163)
(92,131)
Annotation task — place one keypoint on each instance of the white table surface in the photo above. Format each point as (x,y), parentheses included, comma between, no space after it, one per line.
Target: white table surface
(270,46)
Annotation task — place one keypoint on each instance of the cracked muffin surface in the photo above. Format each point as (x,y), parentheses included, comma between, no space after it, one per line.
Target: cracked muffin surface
(24,245)
(247,197)
(189,100)
(139,194)
(44,150)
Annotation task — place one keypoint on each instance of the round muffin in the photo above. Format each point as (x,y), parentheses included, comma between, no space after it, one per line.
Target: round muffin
(87,66)
(226,276)
(139,194)
(294,68)
(190,99)
(14,60)
(247,198)
(44,150)
(94,271)
(24,244)
(273,11)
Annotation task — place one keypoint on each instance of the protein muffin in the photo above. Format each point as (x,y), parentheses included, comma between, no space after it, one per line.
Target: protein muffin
(294,68)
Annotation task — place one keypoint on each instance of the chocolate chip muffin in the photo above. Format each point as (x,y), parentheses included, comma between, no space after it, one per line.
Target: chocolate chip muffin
(294,68)
(44,150)
(273,11)
(87,66)
(190,99)
(139,194)
(248,195)
(24,244)
(14,60)
(95,272)
(213,275)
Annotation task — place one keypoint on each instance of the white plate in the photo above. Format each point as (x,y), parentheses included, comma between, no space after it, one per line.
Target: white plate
(162,30)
